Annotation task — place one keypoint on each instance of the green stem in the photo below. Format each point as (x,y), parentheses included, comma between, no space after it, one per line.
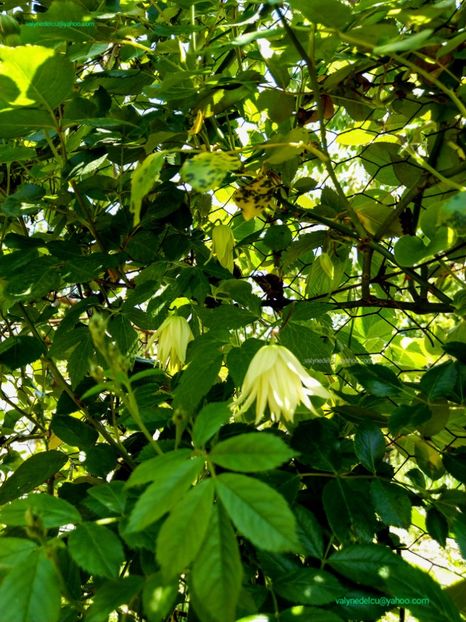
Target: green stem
(300,212)
(311,66)
(69,391)
(406,63)
(133,408)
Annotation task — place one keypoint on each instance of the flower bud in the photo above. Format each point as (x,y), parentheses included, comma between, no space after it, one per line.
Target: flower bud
(97,328)
(223,243)
(8,26)
(174,335)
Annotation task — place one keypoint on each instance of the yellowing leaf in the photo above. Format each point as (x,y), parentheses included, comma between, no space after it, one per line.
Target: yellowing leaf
(252,206)
(306,201)
(356,137)
(254,197)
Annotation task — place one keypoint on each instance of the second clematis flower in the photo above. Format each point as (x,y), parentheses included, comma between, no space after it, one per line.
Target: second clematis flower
(275,378)
(174,334)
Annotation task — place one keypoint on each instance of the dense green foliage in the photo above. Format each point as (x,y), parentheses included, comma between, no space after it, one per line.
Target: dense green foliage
(266,173)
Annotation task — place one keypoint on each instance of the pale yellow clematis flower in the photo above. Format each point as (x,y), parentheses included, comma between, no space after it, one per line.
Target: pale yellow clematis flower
(174,334)
(223,244)
(276,378)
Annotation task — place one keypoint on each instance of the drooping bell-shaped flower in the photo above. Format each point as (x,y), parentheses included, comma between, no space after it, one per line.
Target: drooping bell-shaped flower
(275,378)
(174,334)
(223,244)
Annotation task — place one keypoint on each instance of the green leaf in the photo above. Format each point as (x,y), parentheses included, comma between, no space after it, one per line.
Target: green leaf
(410,250)
(319,445)
(286,482)
(377,159)
(121,330)
(309,532)
(162,495)
(413,42)
(320,278)
(392,503)
(119,82)
(197,379)
(258,512)
(209,421)
(278,237)
(25,200)
(148,401)
(226,317)
(31,473)
(30,591)
(241,292)
(101,459)
(308,586)
(217,572)
(142,181)
(439,381)
(437,525)
(19,122)
(428,459)
(454,460)
(452,213)
(147,373)
(182,533)
(459,529)
(348,517)
(367,564)
(10,153)
(67,339)
(455,348)
(18,351)
(311,349)
(112,594)
(52,511)
(409,582)
(369,445)
(78,361)
(111,496)
(377,379)
(14,551)
(251,452)
(457,593)
(34,75)
(96,549)
(238,359)
(73,431)
(158,597)
(299,613)
(279,104)
(158,468)
(330,13)
(305,614)
(406,418)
